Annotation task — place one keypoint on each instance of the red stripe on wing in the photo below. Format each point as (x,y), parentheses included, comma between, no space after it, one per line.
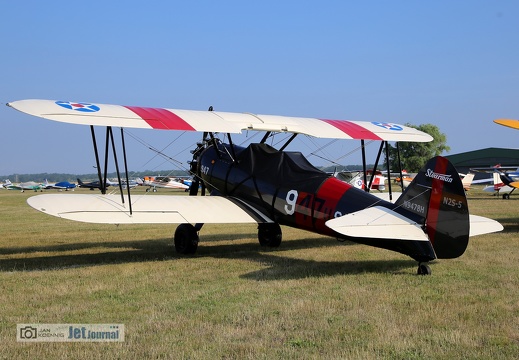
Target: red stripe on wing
(161,118)
(353,130)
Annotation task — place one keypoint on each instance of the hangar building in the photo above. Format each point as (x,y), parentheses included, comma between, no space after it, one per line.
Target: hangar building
(484,158)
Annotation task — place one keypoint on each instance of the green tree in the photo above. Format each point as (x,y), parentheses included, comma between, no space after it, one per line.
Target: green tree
(414,155)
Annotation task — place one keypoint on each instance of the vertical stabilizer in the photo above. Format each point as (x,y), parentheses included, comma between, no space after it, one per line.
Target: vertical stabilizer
(436,199)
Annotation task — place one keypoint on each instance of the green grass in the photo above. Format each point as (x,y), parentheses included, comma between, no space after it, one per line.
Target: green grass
(312,298)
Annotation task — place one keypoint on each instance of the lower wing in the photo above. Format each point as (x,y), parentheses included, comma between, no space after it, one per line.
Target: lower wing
(147,209)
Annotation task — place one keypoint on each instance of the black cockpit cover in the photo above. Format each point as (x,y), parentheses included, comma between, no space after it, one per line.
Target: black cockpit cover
(279,167)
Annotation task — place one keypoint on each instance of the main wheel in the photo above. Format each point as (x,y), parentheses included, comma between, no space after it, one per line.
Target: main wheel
(186,239)
(424,269)
(269,234)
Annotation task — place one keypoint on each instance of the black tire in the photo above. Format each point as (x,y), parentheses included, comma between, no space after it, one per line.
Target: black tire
(269,234)
(424,269)
(186,239)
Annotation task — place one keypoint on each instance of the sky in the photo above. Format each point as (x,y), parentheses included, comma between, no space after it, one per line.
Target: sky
(454,64)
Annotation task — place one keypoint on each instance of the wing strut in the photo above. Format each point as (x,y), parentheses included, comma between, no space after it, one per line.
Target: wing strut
(376,165)
(388,172)
(109,129)
(382,145)
(364,171)
(103,190)
(103,176)
(288,141)
(265,137)
(96,152)
(233,154)
(400,167)
(126,172)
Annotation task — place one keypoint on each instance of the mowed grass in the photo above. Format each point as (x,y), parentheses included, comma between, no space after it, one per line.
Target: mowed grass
(312,298)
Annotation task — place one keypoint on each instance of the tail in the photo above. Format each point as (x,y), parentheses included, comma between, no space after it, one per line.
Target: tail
(79,182)
(467,181)
(436,200)
(507,180)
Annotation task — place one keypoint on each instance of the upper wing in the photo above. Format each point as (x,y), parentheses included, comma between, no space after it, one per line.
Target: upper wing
(213,121)
(147,209)
(514,124)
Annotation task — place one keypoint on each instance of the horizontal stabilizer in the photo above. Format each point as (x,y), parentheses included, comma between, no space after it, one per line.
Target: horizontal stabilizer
(146,209)
(480,225)
(377,222)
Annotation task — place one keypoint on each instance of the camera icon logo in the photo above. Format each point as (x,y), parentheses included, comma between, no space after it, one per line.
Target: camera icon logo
(28,332)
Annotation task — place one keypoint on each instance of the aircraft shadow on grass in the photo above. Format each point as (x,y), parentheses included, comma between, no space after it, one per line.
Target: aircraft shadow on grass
(279,267)
(510,225)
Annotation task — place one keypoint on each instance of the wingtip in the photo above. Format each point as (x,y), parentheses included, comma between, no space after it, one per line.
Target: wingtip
(512,123)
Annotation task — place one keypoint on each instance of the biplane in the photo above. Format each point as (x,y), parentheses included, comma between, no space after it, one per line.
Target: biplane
(271,186)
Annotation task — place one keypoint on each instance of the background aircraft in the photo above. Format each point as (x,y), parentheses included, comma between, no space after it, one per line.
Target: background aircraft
(91,185)
(164,182)
(466,180)
(356,178)
(124,183)
(510,179)
(62,185)
(28,185)
(504,182)
(272,187)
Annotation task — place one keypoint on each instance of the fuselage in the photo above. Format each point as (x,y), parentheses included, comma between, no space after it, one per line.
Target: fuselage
(283,185)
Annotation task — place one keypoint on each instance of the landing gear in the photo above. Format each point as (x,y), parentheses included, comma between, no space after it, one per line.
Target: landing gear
(269,234)
(186,239)
(424,269)
(506,196)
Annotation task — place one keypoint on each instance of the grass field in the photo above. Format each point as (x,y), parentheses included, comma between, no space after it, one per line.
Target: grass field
(312,298)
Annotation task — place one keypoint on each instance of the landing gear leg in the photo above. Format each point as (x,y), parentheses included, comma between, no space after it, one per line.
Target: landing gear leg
(424,269)
(269,234)
(186,239)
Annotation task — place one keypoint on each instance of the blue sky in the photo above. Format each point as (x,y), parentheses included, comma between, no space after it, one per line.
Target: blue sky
(454,64)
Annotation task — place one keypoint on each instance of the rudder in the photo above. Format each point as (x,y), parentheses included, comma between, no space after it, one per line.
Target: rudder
(436,199)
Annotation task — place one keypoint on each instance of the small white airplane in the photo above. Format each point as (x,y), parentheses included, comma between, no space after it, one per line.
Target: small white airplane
(466,179)
(124,184)
(165,182)
(355,178)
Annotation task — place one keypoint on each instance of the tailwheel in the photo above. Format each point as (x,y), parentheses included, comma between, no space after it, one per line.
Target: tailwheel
(186,239)
(424,269)
(269,234)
